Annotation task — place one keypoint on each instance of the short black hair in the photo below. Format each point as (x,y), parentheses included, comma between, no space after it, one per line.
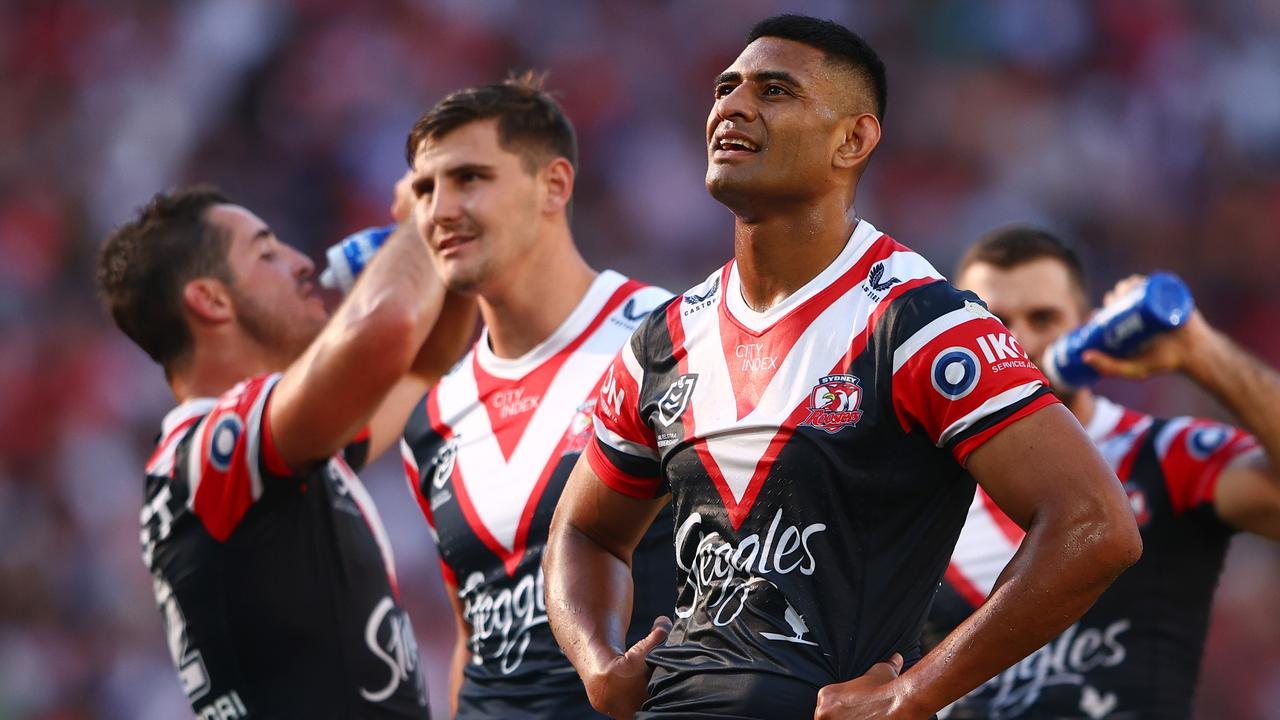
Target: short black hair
(145,264)
(1016,245)
(530,122)
(840,45)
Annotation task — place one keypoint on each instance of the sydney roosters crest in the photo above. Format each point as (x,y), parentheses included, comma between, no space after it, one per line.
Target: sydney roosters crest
(833,403)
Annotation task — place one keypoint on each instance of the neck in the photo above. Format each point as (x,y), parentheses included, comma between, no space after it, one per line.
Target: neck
(778,254)
(527,304)
(216,366)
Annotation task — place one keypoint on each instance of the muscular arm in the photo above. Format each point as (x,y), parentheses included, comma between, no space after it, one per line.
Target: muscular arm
(461,652)
(328,394)
(448,340)
(587,564)
(1046,475)
(1248,491)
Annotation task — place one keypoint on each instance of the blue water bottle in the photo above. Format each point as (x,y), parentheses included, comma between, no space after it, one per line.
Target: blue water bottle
(1160,304)
(349,257)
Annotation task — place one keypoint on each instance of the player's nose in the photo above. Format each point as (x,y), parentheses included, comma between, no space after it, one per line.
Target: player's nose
(736,104)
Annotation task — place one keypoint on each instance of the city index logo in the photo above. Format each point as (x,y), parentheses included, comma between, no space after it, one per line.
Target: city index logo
(834,403)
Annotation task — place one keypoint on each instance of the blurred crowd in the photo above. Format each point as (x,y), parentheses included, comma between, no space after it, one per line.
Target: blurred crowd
(1147,131)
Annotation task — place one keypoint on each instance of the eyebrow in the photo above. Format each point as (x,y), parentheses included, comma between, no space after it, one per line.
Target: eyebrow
(761,76)
(422,182)
(263,233)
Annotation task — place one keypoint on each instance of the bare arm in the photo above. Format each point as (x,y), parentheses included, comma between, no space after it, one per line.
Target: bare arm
(1045,474)
(1248,491)
(587,564)
(461,651)
(448,340)
(326,396)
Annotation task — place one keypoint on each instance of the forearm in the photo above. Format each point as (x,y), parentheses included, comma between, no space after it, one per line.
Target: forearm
(1057,574)
(589,595)
(461,656)
(449,338)
(1241,382)
(331,391)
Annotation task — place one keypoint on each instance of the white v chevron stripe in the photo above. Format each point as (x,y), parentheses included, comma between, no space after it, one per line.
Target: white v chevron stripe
(737,446)
(492,482)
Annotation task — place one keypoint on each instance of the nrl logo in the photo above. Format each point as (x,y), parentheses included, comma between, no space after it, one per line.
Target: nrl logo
(442,463)
(834,403)
(676,399)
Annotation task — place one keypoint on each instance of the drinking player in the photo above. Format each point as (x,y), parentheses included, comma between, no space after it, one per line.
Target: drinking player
(818,411)
(270,566)
(1192,483)
(487,453)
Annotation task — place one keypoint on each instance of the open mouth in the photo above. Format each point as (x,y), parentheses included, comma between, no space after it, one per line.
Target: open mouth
(728,145)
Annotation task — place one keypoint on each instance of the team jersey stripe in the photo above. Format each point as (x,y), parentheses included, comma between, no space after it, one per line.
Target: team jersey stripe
(611,474)
(372,519)
(963,448)
(499,483)
(765,350)
(161,461)
(962,585)
(739,461)
(991,406)
(929,332)
(414,479)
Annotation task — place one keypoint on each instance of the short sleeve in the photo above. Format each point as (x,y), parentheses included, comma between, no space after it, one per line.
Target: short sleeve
(1192,453)
(228,453)
(959,375)
(624,454)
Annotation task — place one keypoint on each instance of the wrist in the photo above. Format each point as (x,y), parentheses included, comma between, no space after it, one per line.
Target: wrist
(909,702)
(1204,349)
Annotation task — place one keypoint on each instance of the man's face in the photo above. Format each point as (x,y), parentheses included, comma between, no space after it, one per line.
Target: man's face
(477,205)
(774,126)
(275,300)
(1036,300)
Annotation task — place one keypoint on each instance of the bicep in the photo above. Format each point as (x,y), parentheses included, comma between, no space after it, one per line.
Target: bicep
(612,520)
(1044,462)
(1247,496)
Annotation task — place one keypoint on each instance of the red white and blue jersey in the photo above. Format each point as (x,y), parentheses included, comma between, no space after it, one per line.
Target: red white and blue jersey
(1136,652)
(815,456)
(277,589)
(487,455)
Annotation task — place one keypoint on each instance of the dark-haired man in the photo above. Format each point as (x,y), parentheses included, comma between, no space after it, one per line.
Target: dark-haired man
(1192,484)
(489,450)
(818,410)
(270,566)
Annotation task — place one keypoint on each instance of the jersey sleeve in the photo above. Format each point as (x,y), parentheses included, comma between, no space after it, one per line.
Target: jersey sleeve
(228,454)
(624,455)
(1192,453)
(959,375)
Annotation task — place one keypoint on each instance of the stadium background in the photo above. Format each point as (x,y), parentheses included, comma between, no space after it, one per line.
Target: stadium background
(1147,130)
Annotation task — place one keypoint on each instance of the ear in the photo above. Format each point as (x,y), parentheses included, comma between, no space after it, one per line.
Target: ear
(207,300)
(861,136)
(558,178)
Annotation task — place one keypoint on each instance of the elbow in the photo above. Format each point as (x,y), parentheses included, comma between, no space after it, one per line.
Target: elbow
(392,326)
(1115,544)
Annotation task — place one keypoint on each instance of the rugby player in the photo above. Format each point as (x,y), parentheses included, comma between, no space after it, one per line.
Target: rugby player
(818,411)
(269,563)
(1192,483)
(488,451)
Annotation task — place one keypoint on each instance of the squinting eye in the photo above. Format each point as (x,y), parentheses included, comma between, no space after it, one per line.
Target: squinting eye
(775,90)
(722,90)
